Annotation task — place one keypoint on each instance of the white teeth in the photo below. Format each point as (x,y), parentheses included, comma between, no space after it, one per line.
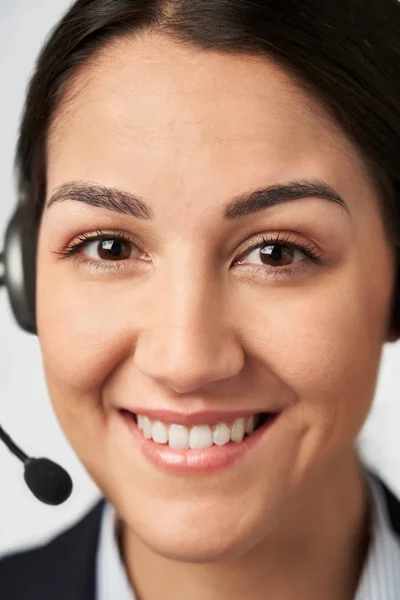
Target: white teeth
(250,424)
(221,434)
(199,436)
(147,427)
(159,433)
(237,431)
(178,436)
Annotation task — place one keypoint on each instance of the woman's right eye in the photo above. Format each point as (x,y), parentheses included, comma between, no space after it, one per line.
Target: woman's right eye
(101,247)
(110,249)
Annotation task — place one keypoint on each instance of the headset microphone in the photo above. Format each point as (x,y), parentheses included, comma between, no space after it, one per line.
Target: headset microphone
(49,482)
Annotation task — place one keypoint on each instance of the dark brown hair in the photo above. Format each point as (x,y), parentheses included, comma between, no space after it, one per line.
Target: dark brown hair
(346,52)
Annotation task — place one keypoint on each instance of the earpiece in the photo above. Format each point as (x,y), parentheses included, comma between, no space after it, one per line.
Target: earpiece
(19,264)
(47,480)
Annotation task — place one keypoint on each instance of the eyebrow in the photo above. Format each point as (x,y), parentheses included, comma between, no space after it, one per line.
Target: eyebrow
(126,203)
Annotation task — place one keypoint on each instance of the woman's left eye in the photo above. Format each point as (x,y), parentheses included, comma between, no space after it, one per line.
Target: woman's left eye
(275,252)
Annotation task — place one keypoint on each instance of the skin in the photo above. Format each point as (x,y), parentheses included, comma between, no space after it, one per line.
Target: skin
(184,327)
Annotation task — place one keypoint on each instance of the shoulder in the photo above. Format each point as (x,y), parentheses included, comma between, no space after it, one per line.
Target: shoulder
(63,568)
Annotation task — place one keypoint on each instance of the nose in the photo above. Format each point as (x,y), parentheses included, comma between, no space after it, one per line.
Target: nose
(188,341)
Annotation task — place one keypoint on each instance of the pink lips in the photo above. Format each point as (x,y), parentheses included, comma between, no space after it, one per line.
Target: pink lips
(199,418)
(209,460)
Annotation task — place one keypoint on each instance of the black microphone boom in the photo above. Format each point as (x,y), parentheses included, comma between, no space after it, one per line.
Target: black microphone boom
(49,482)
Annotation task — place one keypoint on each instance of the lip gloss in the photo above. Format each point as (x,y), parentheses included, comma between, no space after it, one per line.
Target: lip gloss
(207,460)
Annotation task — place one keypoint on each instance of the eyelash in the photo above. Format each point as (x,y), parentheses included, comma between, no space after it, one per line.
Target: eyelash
(308,250)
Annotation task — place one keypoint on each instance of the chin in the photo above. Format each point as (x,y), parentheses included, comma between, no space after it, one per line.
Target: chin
(196,548)
(204,540)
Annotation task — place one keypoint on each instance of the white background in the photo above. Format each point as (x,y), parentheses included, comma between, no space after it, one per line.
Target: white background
(25,409)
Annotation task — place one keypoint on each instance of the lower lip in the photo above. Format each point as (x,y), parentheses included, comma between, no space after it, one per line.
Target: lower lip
(208,460)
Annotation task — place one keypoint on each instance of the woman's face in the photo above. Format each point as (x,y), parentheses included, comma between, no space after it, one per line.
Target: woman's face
(190,314)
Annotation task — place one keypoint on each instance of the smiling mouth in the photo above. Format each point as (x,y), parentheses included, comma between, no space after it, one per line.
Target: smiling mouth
(199,436)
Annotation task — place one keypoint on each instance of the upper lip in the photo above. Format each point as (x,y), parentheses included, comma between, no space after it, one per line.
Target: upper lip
(199,418)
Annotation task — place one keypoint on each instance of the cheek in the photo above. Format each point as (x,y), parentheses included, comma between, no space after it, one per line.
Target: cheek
(75,349)
(82,344)
(80,327)
(323,342)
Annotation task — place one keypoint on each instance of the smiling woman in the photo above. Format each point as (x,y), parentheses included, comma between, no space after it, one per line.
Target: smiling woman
(214,191)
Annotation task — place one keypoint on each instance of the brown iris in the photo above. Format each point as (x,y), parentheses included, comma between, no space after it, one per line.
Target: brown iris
(114,249)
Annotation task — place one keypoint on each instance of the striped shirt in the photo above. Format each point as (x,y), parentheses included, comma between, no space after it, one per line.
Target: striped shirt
(379,580)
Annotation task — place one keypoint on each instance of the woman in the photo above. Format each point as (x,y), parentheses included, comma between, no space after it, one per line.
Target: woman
(216,187)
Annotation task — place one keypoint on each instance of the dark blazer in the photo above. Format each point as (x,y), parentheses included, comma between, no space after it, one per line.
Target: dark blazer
(64,568)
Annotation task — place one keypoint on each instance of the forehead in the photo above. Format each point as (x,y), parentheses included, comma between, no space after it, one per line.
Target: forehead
(147,112)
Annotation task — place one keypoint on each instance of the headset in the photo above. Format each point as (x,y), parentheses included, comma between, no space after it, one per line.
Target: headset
(48,481)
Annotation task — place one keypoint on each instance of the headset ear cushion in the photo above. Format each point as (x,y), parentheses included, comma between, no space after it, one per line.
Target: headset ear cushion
(20,266)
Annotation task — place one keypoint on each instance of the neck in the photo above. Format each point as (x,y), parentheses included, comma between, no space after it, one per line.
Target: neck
(318,553)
